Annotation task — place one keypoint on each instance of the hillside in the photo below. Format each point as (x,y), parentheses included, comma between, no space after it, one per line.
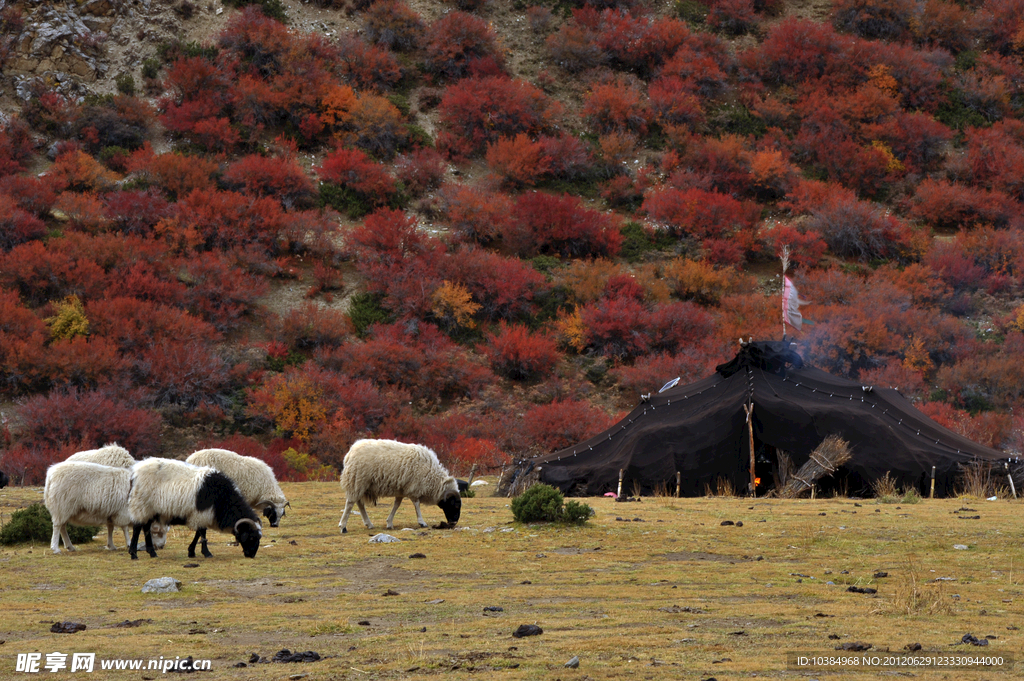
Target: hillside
(490,226)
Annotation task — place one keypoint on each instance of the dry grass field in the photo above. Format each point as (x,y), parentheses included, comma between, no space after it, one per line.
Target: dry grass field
(670,594)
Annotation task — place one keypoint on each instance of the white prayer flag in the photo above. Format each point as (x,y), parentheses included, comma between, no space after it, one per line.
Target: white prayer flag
(791,304)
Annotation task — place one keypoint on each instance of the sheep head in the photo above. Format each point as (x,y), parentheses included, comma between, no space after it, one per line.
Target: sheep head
(158,533)
(274,513)
(452,507)
(248,534)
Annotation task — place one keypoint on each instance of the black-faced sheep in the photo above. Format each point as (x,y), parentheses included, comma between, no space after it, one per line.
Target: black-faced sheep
(108,455)
(385,468)
(254,479)
(3,480)
(177,493)
(84,493)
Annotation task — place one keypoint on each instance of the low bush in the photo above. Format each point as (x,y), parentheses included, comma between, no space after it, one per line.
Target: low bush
(543,503)
(34,524)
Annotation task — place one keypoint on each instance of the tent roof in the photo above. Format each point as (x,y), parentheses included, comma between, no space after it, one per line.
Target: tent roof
(700,431)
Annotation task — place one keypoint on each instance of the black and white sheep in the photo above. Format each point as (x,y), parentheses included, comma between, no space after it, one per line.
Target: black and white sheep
(254,479)
(85,493)
(108,455)
(178,493)
(386,468)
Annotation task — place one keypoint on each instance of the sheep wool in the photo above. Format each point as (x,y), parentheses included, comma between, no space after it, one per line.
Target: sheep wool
(108,455)
(385,468)
(85,493)
(254,479)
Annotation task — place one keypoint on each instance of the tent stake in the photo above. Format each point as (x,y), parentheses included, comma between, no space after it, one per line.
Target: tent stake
(931,495)
(679,484)
(749,409)
(1006,467)
(618,495)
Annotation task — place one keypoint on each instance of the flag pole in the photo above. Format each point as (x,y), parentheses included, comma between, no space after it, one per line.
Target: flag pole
(784,256)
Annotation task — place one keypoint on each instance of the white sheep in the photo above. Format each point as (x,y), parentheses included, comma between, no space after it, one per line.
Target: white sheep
(85,493)
(177,493)
(386,468)
(254,479)
(108,455)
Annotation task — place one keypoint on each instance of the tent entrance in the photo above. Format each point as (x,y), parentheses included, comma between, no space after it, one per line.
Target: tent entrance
(770,470)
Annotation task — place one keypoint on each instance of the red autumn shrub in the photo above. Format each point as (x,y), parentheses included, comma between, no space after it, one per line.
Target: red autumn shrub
(916,139)
(949,206)
(505,288)
(735,17)
(353,169)
(135,211)
(41,273)
(92,418)
(313,326)
(1001,22)
(219,291)
(517,161)
(82,362)
(393,24)
(700,66)
(32,194)
(796,50)
(475,214)
(147,281)
(671,326)
(673,104)
(136,324)
(616,107)
(895,374)
(878,19)
(208,220)
(700,213)
(16,225)
(26,464)
(367,66)
(862,230)
(545,223)
(15,146)
(22,337)
(566,157)
(957,269)
(563,423)
(617,327)
(176,174)
(466,452)
(416,357)
(996,157)
(722,164)
(806,247)
(271,176)
(947,25)
(575,48)
(189,375)
(420,170)
(650,372)
(457,42)
(516,353)
(475,111)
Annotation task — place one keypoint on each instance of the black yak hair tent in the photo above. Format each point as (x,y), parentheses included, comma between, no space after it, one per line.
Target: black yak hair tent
(700,430)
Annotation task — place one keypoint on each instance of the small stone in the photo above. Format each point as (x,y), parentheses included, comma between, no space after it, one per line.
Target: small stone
(573,662)
(960,547)
(417,555)
(162,585)
(383,539)
(727,522)
(493,608)
(75,627)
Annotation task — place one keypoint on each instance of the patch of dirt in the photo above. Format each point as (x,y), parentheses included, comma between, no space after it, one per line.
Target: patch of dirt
(706,557)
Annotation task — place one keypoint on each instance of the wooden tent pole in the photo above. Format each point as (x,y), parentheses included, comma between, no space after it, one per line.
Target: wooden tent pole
(931,495)
(472,474)
(1006,467)
(679,484)
(618,494)
(749,409)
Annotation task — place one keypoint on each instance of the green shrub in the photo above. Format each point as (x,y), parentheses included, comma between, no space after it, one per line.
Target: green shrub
(274,9)
(543,503)
(150,67)
(125,84)
(364,310)
(467,493)
(34,524)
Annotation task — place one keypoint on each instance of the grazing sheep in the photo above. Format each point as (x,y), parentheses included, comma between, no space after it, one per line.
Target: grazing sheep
(254,479)
(178,493)
(4,479)
(385,468)
(85,493)
(108,455)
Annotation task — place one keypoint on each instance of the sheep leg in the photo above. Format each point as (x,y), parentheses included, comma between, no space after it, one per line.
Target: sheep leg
(343,523)
(362,512)
(133,545)
(55,540)
(206,551)
(192,546)
(147,530)
(419,516)
(126,538)
(67,540)
(394,509)
(110,536)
